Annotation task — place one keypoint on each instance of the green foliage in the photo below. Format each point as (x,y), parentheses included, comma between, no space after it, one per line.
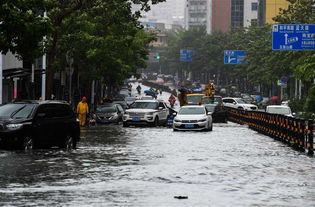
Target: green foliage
(310,101)
(296,105)
(23,27)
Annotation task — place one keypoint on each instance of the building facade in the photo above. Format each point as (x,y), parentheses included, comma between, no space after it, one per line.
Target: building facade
(221,15)
(170,13)
(269,9)
(198,14)
(231,14)
(250,13)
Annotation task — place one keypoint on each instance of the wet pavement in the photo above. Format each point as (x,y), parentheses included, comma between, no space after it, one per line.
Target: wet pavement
(140,166)
(116,166)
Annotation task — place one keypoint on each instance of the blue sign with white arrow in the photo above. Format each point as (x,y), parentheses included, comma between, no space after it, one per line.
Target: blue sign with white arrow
(186,55)
(234,56)
(293,37)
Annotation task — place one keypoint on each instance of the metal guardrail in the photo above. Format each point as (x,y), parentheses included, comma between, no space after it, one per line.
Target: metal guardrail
(297,133)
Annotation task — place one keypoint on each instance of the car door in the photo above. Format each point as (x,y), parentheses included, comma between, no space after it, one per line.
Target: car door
(120,111)
(163,112)
(44,125)
(63,121)
(227,102)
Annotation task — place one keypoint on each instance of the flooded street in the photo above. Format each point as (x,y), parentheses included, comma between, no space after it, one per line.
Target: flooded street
(116,166)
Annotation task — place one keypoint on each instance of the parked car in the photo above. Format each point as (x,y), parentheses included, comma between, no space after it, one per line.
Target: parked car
(215,105)
(123,104)
(109,113)
(33,124)
(193,118)
(279,109)
(148,112)
(238,103)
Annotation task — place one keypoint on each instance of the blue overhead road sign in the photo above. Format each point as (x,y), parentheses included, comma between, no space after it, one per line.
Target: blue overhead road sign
(186,55)
(293,37)
(234,56)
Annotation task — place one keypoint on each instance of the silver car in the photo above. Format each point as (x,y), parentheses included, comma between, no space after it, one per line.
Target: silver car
(193,118)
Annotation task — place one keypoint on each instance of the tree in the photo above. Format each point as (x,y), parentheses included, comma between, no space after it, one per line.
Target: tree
(61,11)
(22,28)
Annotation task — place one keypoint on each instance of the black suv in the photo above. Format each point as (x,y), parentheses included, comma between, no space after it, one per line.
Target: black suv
(34,124)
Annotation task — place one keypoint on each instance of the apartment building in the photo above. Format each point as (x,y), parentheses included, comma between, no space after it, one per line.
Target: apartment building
(269,9)
(198,14)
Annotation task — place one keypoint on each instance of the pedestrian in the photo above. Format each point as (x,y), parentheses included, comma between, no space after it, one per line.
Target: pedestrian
(82,111)
(161,91)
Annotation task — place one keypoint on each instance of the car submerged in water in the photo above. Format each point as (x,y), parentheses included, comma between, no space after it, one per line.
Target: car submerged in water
(215,105)
(193,118)
(146,112)
(38,124)
(109,113)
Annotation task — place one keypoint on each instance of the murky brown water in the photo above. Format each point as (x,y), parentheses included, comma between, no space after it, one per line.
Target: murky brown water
(115,166)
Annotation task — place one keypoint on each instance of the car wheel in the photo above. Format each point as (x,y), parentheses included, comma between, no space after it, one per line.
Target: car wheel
(211,128)
(175,130)
(68,143)
(27,143)
(125,124)
(156,121)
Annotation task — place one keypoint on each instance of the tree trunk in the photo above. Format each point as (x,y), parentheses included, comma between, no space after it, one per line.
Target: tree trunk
(50,69)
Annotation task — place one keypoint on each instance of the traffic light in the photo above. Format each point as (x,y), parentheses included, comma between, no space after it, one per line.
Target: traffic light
(157,57)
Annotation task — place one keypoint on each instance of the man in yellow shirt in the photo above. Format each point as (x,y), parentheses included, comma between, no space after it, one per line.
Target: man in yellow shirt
(82,111)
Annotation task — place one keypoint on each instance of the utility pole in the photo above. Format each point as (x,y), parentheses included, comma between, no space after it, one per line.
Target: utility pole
(43,96)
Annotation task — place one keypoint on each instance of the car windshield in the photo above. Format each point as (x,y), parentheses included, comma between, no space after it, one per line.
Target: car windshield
(144,105)
(248,101)
(16,110)
(191,111)
(210,108)
(240,101)
(279,110)
(212,100)
(106,109)
(194,99)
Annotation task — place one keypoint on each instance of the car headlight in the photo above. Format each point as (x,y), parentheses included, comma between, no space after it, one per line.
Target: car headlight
(177,120)
(202,120)
(14,126)
(150,113)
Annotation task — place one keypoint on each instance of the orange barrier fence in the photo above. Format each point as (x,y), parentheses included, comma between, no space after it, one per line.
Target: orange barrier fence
(297,133)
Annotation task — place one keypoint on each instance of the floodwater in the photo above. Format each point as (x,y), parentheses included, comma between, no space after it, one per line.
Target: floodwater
(116,166)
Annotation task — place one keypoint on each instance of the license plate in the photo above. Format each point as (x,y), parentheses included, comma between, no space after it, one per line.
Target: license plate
(104,121)
(136,119)
(189,126)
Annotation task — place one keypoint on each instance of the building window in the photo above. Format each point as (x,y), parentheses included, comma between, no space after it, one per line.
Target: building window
(237,13)
(254,6)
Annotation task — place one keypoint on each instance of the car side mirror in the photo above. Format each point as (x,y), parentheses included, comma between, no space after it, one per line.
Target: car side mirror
(174,114)
(294,114)
(209,113)
(234,103)
(160,108)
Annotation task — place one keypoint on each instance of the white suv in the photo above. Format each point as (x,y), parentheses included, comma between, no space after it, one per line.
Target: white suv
(149,112)
(238,103)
